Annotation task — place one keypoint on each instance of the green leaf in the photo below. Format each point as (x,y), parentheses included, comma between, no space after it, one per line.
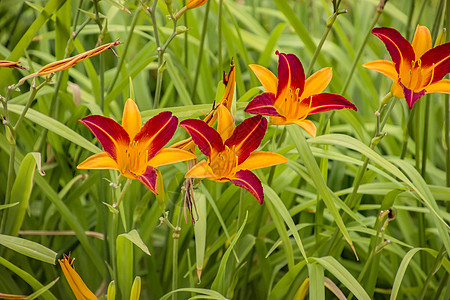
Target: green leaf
(200,231)
(310,163)
(210,293)
(134,237)
(282,210)
(29,248)
(55,127)
(316,282)
(344,276)
(5,206)
(21,191)
(219,281)
(42,290)
(28,278)
(124,256)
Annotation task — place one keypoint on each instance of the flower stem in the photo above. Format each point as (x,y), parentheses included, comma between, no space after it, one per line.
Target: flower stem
(219,37)
(161,50)
(330,23)
(380,9)
(200,50)
(378,135)
(125,49)
(406,132)
(176,237)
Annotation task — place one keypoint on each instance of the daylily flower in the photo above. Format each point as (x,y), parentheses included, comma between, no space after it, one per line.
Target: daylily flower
(227,99)
(132,149)
(290,99)
(416,69)
(230,151)
(77,285)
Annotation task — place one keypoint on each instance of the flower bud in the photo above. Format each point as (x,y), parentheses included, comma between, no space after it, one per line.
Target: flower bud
(136,289)
(195,3)
(181,29)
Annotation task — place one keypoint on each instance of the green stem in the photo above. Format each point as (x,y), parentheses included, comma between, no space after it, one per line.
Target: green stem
(161,50)
(200,50)
(330,23)
(186,40)
(406,132)
(380,9)
(126,47)
(176,237)
(378,134)
(219,33)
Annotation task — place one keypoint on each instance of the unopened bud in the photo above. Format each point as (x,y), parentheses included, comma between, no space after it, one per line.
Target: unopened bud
(181,29)
(169,6)
(111,294)
(136,289)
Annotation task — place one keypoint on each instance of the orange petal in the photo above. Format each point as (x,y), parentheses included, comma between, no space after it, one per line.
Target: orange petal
(308,126)
(266,77)
(384,67)
(422,41)
(168,156)
(225,125)
(101,160)
(262,159)
(317,82)
(131,120)
(442,86)
(397,90)
(200,170)
(275,120)
(77,285)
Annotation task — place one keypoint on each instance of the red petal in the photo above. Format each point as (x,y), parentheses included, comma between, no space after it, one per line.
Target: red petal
(262,105)
(247,180)
(247,136)
(326,101)
(157,132)
(399,48)
(290,73)
(439,59)
(411,97)
(297,73)
(108,132)
(204,136)
(149,179)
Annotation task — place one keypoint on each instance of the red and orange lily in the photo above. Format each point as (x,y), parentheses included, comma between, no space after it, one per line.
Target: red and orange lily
(230,151)
(132,149)
(416,69)
(290,98)
(77,285)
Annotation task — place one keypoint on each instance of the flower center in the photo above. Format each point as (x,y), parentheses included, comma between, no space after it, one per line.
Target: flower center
(224,163)
(292,107)
(417,78)
(133,160)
